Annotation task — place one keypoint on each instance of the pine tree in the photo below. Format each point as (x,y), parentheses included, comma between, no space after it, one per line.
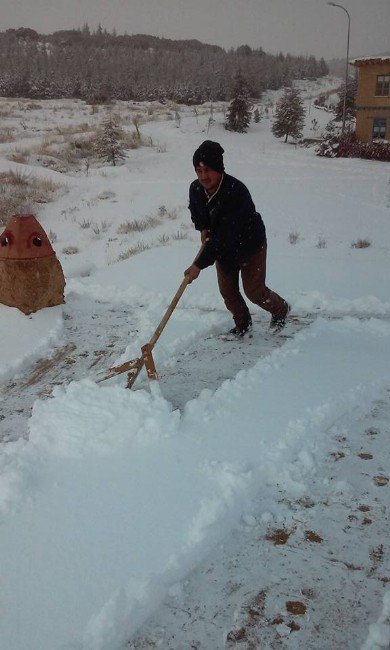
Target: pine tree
(108,144)
(239,114)
(289,115)
(256,115)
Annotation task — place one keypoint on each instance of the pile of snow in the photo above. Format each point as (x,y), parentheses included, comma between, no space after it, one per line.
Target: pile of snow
(25,338)
(115,496)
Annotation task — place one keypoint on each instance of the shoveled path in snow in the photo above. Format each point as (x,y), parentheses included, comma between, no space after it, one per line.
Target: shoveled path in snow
(97,332)
(305,573)
(209,361)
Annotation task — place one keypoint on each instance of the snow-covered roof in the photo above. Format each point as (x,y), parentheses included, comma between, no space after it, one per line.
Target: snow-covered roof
(365,60)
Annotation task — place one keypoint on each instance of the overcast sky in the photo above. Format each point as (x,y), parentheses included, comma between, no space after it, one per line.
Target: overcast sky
(295,26)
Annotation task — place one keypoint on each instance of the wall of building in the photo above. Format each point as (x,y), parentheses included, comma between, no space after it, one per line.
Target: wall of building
(368,105)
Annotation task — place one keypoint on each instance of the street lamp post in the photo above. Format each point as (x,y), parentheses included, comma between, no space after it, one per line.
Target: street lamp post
(334,4)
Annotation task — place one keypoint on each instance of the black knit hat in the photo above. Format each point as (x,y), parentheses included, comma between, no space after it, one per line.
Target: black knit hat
(211,154)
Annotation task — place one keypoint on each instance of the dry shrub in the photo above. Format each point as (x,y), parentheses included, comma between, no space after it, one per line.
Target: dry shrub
(172,213)
(107,194)
(80,148)
(85,224)
(6,111)
(32,106)
(180,235)
(132,140)
(321,243)
(20,156)
(73,129)
(10,205)
(139,248)
(361,243)
(14,177)
(48,145)
(19,192)
(6,135)
(70,250)
(59,152)
(293,237)
(138,225)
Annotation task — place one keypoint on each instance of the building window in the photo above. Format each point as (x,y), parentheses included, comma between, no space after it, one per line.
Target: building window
(383,85)
(379,128)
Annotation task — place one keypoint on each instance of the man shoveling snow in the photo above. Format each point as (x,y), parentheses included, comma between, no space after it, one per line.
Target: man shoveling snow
(233,236)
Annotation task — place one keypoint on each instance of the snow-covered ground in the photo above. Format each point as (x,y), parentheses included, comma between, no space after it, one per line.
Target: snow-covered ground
(242,500)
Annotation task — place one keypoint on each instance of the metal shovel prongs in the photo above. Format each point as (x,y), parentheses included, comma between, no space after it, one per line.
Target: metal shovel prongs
(134,366)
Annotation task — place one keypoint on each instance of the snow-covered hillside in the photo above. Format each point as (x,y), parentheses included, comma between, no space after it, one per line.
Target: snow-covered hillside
(243,499)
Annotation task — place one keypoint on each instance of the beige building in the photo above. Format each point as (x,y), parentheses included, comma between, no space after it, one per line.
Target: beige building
(373,98)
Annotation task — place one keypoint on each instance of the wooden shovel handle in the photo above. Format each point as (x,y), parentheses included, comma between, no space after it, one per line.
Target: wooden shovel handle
(172,306)
(134,366)
(168,313)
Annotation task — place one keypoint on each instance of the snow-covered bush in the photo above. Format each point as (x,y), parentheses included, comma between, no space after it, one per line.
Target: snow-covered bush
(335,145)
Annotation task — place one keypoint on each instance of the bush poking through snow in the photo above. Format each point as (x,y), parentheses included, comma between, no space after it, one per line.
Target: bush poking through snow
(321,243)
(14,178)
(85,224)
(180,235)
(6,135)
(293,237)
(20,193)
(163,212)
(70,250)
(20,156)
(139,248)
(138,225)
(361,243)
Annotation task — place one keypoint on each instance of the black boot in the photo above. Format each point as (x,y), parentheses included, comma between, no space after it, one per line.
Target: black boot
(239,332)
(278,322)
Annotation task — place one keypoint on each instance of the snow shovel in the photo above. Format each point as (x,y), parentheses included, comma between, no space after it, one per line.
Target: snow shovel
(134,366)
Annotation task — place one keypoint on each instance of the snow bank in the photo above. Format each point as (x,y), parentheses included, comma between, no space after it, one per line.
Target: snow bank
(116,496)
(25,338)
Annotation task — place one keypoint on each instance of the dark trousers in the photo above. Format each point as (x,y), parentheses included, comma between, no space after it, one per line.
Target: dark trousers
(253,271)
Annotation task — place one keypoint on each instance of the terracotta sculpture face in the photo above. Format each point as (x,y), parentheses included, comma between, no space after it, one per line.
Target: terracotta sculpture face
(24,239)
(31,276)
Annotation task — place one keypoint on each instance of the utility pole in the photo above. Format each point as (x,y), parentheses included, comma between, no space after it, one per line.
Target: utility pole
(333,4)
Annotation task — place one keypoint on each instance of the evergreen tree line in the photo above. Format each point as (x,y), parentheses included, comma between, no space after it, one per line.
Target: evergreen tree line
(99,66)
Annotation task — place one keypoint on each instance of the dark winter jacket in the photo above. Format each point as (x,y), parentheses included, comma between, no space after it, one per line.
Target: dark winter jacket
(237,230)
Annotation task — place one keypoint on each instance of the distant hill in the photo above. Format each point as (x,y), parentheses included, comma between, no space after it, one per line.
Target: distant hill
(98,66)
